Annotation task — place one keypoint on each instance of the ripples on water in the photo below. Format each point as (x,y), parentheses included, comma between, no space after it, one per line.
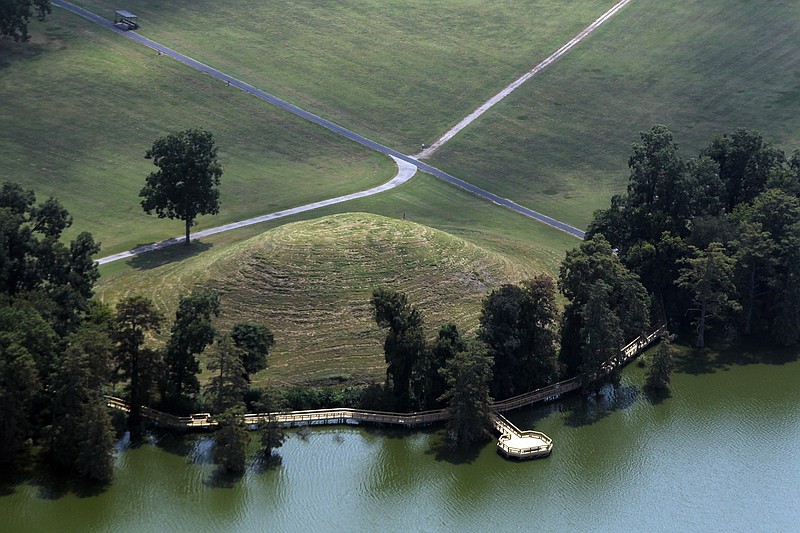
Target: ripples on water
(720,454)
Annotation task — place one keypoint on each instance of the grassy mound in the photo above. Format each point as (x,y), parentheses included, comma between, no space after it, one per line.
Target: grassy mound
(311,282)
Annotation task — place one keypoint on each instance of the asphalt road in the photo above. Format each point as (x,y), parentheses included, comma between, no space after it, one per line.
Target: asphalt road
(234,82)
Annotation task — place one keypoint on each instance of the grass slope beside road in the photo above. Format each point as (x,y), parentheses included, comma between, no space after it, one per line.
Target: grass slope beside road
(560,144)
(81,106)
(399,71)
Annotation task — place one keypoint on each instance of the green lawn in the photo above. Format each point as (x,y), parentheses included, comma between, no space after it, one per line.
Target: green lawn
(80,106)
(561,143)
(399,71)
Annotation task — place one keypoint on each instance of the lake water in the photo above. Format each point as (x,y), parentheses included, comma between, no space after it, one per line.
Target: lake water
(722,454)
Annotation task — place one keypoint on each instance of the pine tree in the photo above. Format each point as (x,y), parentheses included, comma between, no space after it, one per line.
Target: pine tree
(230,442)
(468,375)
(660,372)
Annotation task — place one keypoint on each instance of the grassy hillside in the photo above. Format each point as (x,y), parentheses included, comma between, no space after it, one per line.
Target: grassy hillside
(401,71)
(561,143)
(311,282)
(80,106)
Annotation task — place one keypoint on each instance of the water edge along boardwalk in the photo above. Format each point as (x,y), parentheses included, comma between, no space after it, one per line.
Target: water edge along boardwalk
(512,443)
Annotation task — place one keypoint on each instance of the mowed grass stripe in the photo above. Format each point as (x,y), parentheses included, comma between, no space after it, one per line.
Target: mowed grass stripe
(560,144)
(81,107)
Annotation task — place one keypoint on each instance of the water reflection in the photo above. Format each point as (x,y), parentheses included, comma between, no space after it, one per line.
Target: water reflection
(720,452)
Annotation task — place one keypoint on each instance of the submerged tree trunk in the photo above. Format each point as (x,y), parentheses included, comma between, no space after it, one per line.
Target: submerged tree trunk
(751,295)
(701,327)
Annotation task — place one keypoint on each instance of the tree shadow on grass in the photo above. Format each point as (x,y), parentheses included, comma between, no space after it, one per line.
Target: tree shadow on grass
(177,252)
(588,410)
(13,52)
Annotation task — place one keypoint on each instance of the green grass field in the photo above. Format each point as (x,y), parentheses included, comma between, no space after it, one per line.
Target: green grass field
(399,71)
(311,281)
(80,106)
(561,143)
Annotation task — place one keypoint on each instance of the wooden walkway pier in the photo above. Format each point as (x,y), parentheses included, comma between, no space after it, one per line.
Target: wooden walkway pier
(512,442)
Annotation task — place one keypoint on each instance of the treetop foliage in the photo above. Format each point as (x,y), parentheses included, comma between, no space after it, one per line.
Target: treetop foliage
(187,182)
(15,15)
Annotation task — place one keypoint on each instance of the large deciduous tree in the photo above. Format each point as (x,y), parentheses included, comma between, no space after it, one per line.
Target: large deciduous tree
(15,15)
(254,340)
(518,325)
(187,182)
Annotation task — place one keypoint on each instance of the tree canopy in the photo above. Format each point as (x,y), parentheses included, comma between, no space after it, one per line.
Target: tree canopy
(187,182)
(15,15)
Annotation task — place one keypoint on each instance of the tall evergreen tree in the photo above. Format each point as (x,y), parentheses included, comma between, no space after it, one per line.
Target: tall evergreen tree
(228,387)
(468,375)
(582,268)
(518,325)
(230,442)
(405,342)
(431,383)
(135,318)
(191,333)
(659,374)
(82,437)
(602,335)
(709,279)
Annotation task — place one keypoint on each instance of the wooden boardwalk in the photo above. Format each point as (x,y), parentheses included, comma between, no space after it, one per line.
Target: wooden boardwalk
(513,442)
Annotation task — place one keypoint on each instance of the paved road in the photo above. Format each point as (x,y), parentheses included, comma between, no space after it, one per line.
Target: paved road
(405,171)
(513,86)
(317,120)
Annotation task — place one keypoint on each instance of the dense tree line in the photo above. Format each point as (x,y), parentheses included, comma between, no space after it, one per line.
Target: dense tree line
(714,238)
(61,351)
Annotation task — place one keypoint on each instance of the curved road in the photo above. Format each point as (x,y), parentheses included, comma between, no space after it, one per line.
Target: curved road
(405,171)
(505,202)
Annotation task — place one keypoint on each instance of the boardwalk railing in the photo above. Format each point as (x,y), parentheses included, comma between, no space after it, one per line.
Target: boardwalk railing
(344,415)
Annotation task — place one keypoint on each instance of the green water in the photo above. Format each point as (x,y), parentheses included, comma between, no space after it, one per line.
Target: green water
(722,454)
